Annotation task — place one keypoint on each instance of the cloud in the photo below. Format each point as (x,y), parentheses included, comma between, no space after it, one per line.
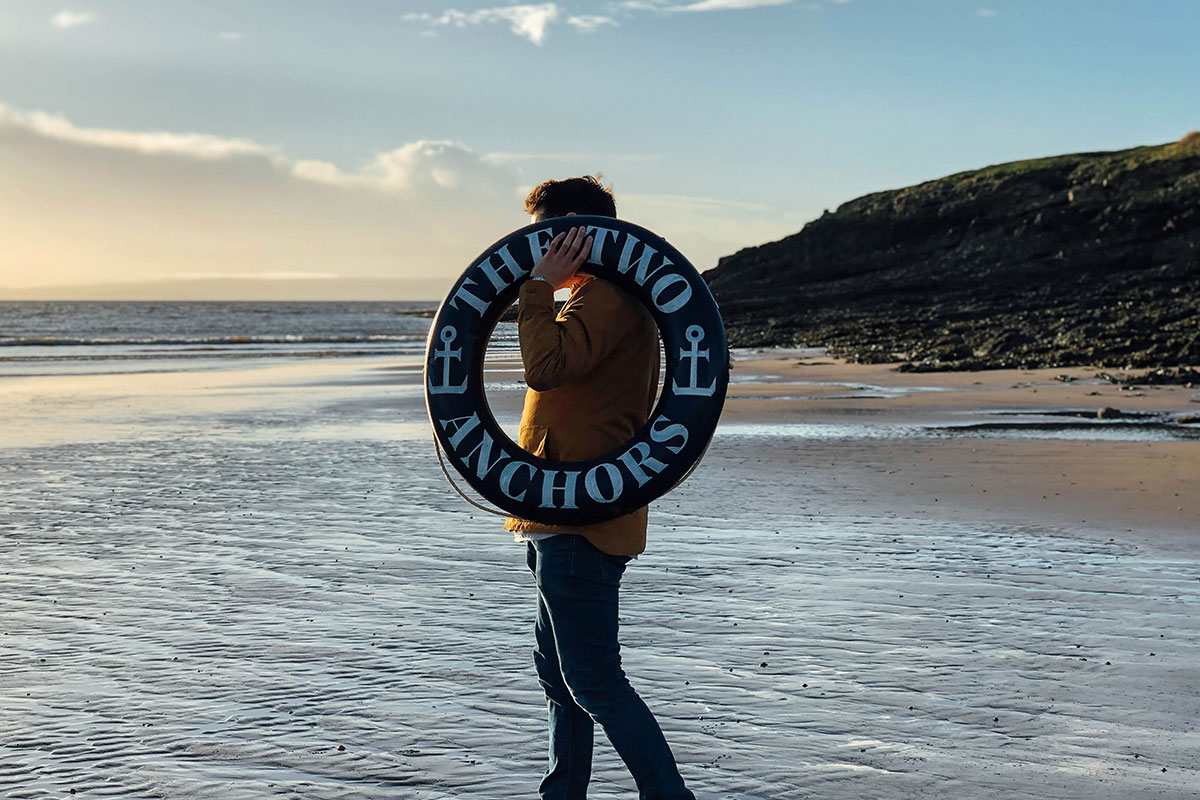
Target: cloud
(529,21)
(533,21)
(68,18)
(267,275)
(229,36)
(98,205)
(190,145)
(413,167)
(89,205)
(673,6)
(515,158)
(987,12)
(589,23)
(728,5)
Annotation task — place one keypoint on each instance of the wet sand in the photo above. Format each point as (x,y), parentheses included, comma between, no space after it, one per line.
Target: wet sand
(1010,446)
(215,579)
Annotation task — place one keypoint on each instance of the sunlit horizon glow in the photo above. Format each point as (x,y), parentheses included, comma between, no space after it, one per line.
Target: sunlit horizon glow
(203,147)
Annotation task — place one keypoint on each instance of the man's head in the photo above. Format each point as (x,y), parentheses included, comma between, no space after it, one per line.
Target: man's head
(584,195)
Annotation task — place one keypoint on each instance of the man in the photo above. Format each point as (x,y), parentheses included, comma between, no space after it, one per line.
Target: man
(592,371)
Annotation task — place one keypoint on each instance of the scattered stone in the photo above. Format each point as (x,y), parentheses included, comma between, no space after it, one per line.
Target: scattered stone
(1184,376)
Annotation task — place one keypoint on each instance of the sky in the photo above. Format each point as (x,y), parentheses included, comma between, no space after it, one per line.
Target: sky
(353,149)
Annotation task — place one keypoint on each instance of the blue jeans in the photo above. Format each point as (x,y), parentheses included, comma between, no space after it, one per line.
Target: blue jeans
(578,663)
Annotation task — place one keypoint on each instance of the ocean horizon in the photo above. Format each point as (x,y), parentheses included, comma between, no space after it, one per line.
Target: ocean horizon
(46,337)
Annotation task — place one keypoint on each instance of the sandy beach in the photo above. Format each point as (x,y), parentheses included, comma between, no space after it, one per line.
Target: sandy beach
(250,579)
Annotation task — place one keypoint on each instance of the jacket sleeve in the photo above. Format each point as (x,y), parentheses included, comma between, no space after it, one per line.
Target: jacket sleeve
(558,350)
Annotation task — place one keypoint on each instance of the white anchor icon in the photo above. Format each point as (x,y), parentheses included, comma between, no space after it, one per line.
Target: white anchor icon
(445,355)
(695,335)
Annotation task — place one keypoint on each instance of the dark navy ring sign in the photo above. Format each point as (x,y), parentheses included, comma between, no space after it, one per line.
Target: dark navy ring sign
(658,456)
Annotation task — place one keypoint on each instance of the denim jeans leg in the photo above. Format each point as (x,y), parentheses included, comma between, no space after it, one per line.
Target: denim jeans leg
(578,588)
(571,728)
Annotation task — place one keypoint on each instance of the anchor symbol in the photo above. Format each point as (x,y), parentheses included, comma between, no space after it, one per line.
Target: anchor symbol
(445,355)
(694,334)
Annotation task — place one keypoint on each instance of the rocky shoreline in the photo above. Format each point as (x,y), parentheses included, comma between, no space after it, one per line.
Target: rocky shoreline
(1086,259)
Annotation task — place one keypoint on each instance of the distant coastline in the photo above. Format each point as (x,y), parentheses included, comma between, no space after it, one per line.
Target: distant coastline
(1083,259)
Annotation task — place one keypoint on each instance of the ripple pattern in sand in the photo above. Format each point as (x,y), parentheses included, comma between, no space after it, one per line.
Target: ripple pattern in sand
(239,616)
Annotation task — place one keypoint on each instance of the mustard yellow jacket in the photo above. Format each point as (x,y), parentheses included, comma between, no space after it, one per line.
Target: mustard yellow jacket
(592,372)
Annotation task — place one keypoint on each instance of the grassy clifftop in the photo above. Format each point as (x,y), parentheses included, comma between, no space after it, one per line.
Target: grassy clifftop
(1089,258)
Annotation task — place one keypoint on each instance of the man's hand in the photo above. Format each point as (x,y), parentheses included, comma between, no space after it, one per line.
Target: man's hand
(564,257)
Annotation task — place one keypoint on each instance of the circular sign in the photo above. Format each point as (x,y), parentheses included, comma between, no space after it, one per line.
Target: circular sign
(659,455)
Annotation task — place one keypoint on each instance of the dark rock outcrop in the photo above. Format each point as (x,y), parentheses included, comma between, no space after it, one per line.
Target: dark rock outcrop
(1092,258)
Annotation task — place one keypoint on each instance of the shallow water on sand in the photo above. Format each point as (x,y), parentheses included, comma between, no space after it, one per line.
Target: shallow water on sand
(1075,431)
(211,608)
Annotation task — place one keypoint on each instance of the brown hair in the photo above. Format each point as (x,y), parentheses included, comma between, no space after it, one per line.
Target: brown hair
(585,195)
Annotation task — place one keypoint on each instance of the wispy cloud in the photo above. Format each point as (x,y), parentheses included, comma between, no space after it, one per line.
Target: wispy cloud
(516,158)
(266,275)
(529,21)
(987,12)
(589,23)
(190,145)
(106,205)
(413,169)
(229,36)
(728,5)
(68,18)
(675,6)
(533,21)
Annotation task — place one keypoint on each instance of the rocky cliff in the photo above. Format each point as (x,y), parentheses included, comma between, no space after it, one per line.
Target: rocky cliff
(1091,258)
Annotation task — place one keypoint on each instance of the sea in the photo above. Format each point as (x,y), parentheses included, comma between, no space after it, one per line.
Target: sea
(130,337)
(87,337)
